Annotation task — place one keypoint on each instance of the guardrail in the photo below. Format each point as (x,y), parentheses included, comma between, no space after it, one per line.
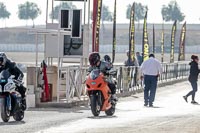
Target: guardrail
(128,78)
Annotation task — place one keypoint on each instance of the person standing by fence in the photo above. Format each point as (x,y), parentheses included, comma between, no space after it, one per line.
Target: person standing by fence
(132,70)
(129,61)
(150,70)
(193,77)
(139,58)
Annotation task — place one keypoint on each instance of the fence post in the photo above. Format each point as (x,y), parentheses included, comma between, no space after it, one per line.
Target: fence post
(177,70)
(166,74)
(119,79)
(67,84)
(183,70)
(125,79)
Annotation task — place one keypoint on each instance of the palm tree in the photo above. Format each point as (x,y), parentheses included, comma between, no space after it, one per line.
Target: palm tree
(28,10)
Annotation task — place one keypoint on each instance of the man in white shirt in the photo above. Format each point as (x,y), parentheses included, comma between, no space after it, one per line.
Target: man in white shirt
(150,71)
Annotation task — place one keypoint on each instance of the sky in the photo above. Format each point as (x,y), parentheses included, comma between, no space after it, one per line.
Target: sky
(189,7)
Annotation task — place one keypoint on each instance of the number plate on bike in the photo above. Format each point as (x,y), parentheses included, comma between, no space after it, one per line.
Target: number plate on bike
(2,80)
(93,83)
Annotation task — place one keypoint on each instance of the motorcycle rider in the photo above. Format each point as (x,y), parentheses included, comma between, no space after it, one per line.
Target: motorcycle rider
(107,59)
(104,67)
(6,64)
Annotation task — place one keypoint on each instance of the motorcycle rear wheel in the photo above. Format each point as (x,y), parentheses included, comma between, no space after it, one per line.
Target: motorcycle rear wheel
(5,113)
(110,111)
(95,108)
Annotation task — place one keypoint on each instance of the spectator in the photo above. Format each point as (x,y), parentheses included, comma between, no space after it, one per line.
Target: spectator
(139,58)
(129,61)
(151,70)
(131,73)
(142,56)
(193,77)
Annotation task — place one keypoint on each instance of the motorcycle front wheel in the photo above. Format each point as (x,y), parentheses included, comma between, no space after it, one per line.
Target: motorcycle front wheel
(19,115)
(5,113)
(95,107)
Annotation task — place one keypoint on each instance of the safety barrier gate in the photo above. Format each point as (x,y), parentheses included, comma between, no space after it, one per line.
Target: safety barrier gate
(128,79)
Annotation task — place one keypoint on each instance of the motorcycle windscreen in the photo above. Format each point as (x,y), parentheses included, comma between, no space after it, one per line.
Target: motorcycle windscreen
(94,74)
(4,75)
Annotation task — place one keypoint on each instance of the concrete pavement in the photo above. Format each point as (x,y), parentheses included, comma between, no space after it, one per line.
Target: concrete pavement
(170,115)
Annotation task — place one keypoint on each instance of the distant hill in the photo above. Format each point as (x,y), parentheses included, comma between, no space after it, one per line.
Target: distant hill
(19,35)
(192,34)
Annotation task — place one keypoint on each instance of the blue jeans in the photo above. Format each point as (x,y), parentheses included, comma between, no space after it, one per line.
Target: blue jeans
(194,89)
(150,88)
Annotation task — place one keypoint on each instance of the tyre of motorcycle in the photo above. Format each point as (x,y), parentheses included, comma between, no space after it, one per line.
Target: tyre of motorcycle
(95,107)
(110,111)
(19,113)
(5,113)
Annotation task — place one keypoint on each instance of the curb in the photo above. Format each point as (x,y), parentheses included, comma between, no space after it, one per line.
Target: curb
(171,82)
(85,102)
(62,105)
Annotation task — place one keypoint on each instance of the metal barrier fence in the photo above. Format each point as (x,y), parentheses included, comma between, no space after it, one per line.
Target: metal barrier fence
(128,78)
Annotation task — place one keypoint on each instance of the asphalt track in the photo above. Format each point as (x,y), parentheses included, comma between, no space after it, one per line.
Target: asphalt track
(171,114)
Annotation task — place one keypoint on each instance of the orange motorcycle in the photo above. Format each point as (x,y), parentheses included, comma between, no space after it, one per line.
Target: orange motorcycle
(99,93)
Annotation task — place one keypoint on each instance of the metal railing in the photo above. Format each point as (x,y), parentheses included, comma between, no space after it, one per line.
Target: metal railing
(128,78)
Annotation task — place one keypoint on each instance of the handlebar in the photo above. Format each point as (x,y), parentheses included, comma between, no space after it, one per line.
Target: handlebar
(112,72)
(17,82)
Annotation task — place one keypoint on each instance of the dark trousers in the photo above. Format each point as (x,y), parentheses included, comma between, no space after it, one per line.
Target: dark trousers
(150,88)
(112,88)
(194,89)
(22,90)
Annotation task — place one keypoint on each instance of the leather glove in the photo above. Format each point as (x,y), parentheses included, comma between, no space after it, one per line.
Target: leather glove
(20,78)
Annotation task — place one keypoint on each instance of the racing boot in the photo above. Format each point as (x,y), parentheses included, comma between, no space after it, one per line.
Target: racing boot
(24,106)
(114,97)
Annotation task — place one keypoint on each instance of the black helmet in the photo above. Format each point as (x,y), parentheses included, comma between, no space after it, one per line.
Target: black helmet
(193,57)
(3,59)
(94,58)
(107,58)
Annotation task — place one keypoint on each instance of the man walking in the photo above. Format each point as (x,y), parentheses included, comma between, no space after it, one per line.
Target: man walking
(150,71)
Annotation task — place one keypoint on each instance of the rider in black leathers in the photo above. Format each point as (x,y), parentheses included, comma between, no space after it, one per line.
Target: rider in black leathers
(6,64)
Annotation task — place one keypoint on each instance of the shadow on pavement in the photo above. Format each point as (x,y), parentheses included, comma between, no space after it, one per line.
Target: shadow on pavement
(135,96)
(127,110)
(154,107)
(79,109)
(12,123)
(195,104)
(102,117)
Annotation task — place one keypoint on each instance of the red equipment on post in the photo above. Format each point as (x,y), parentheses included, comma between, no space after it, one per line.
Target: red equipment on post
(45,94)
